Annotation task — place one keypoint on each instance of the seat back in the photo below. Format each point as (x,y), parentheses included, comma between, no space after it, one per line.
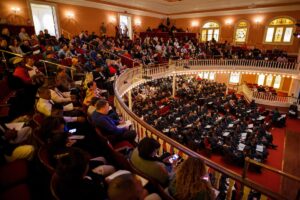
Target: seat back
(53,183)
(159,189)
(43,156)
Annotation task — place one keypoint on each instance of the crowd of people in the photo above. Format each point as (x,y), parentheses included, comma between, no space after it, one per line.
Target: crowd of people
(72,110)
(71,113)
(204,117)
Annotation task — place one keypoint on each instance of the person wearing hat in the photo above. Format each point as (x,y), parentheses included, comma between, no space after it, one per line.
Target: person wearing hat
(21,71)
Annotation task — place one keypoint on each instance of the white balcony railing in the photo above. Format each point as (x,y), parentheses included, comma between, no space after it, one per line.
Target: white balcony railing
(265,98)
(284,68)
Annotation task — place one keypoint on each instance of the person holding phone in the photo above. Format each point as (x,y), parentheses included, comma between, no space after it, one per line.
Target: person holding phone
(145,158)
(184,185)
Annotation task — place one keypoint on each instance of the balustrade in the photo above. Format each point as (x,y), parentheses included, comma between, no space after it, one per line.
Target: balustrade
(133,77)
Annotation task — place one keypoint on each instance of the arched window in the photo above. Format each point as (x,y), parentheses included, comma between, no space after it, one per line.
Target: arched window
(261,79)
(200,75)
(241,31)
(234,77)
(205,76)
(280,30)
(277,82)
(212,76)
(210,30)
(269,80)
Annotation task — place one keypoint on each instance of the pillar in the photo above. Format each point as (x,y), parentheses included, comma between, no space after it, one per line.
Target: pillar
(129,100)
(174,85)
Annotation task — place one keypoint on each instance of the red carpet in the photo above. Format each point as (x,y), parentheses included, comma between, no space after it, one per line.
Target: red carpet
(275,158)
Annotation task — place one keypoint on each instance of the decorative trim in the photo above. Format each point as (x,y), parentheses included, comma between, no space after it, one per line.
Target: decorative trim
(238,12)
(152,13)
(102,6)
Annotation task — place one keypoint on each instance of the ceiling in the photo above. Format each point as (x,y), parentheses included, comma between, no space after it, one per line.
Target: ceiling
(171,7)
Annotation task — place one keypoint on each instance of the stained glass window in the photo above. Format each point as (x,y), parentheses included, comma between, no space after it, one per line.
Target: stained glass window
(280,30)
(241,32)
(209,31)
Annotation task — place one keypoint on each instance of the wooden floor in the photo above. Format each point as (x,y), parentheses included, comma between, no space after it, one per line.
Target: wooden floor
(291,164)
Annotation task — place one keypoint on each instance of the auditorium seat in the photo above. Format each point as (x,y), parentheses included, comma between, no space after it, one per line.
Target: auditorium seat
(44,159)
(13,181)
(158,188)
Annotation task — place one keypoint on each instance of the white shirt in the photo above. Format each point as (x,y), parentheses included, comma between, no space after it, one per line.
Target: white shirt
(59,97)
(44,106)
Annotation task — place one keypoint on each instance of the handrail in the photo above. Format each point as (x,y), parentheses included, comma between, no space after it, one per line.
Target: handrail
(293,66)
(277,171)
(12,53)
(189,152)
(56,64)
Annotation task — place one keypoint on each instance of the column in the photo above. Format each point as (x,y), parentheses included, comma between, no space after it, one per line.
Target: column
(174,85)
(129,100)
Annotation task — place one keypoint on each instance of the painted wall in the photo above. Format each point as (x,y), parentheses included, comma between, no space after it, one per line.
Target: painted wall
(9,16)
(249,78)
(85,18)
(91,18)
(256,31)
(222,78)
(285,86)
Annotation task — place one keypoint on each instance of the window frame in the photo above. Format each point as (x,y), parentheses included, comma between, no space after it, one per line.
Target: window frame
(283,34)
(211,28)
(239,27)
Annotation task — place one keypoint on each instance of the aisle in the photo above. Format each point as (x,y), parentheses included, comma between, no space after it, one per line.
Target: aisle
(275,158)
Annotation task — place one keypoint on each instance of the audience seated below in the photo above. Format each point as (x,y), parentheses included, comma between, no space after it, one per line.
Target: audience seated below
(204,117)
(222,123)
(293,110)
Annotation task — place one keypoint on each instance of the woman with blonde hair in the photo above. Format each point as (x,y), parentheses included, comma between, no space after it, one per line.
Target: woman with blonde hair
(189,182)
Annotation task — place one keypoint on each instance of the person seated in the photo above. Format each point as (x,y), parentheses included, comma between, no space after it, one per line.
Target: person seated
(15,144)
(92,107)
(293,110)
(108,125)
(71,177)
(63,80)
(127,186)
(92,91)
(145,159)
(47,107)
(183,185)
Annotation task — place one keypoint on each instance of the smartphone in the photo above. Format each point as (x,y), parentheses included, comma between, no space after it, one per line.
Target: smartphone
(206,177)
(72,131)
(173,158)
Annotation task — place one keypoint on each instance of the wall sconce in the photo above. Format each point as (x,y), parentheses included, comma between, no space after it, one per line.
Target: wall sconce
(195,23)
(112,19)
(15,9)
(70,15)
(228,21)
(137,22)
(258,20)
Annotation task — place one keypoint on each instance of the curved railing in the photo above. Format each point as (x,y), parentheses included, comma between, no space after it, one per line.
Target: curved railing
(283,68)
(266,99)
(136,76)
